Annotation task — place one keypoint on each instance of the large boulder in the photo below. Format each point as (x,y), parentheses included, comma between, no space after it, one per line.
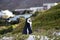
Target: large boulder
(6,14)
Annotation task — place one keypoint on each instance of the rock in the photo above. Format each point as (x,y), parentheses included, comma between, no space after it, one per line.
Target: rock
(31,37)
(38,36)
(7,38)
(56,33)
(44,38)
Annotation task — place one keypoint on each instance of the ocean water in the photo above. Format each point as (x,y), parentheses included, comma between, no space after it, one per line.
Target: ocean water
(18,16)
(25,15)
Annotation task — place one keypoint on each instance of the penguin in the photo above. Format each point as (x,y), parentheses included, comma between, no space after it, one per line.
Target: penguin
(28,26)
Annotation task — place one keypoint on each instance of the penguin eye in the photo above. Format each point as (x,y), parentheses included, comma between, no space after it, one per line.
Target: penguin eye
(29,20)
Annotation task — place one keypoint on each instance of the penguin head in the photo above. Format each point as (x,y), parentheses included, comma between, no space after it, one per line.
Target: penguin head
(29,20)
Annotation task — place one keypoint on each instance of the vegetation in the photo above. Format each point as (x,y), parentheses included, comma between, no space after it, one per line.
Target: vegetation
(15,28)
(49,19)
